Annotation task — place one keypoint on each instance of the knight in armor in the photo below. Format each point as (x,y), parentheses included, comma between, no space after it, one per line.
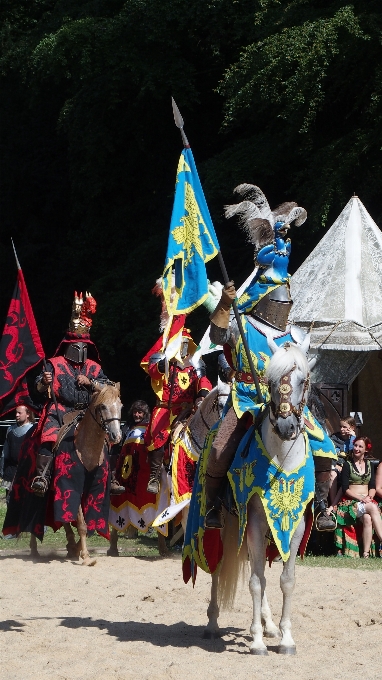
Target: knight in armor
(15,437)
(178,391)
(264,308)
(73,374)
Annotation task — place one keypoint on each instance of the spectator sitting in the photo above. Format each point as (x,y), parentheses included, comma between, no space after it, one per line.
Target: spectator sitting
(357,502)
(378,495)
(343,442)
(348,435)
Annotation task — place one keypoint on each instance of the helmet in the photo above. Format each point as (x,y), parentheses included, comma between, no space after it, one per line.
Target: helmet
(76,346)
(77,352)
(274,308)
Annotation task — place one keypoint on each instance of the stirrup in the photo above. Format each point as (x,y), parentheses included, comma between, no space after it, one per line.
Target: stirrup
(43,485)
(331,517)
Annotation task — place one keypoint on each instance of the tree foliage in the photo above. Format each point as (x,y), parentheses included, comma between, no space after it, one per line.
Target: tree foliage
(285,94)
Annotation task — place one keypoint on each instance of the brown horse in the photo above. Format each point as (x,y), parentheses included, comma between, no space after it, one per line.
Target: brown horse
(99,425)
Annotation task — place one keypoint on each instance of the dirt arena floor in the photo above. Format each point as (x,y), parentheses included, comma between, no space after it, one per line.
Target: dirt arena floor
(134,618)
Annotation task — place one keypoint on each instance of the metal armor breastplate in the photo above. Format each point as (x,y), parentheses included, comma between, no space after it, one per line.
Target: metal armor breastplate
(274,308)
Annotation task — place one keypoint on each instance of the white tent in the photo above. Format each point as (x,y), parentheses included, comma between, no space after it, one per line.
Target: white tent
(337,293)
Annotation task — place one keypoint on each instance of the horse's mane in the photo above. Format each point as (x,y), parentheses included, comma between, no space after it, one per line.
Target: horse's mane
(107,395)
(284,360)
(209,399)
(221,389)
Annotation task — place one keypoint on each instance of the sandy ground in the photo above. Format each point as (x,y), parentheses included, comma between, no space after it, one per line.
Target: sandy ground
(132,617)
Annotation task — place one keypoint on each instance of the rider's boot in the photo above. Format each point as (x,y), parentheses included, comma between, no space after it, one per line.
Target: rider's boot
(214,517)
(156,460)
(115,487)
(323,522)
(40,483)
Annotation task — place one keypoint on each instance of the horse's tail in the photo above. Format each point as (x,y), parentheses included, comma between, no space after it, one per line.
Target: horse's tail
(233,567)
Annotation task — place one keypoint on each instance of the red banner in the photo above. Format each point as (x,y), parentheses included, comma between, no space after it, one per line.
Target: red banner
(20,347)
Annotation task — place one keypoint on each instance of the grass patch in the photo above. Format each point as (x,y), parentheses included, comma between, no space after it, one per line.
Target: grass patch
(372,563)
(147,546)
(143,546)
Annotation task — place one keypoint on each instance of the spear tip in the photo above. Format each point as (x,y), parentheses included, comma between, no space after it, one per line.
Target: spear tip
(17,259)
(179,123)
(177,116)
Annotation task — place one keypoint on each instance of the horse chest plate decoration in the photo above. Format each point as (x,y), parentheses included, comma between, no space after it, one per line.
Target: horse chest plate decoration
(284,495)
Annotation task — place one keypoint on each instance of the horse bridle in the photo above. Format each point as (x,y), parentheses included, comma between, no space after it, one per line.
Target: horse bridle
(103,422)
(285,389)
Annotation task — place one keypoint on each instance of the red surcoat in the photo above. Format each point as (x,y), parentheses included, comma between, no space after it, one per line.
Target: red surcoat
(187,386)
(68,394)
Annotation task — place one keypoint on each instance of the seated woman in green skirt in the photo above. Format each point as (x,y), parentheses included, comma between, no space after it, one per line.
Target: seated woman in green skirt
(356,502)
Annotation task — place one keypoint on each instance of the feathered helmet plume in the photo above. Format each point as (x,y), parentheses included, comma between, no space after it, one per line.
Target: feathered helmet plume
(257,219)
(158,291)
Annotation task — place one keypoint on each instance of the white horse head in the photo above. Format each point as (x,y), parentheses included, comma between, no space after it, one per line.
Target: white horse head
(211,408)
(288,379)
(223,390)
(208,413)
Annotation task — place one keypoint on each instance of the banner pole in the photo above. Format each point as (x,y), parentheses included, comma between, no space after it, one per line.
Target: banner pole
(241,331)
(180,124)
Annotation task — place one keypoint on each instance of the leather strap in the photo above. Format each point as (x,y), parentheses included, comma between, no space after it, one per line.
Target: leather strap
(242,376)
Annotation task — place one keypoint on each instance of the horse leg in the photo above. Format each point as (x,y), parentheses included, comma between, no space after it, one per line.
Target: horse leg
(185,512)
(82,530)
(33,546)
(162,547)
(287,583)
(113,549)
(270,630)
(212,630)
(256,530)
(72,546)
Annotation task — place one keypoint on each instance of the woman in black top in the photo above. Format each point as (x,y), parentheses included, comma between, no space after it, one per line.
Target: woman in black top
(358,489)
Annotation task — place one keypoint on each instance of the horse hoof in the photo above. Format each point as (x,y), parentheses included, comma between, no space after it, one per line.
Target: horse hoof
(72,555)
(288,651)
(112,552)
(210,635)
(258,651)
(89,562)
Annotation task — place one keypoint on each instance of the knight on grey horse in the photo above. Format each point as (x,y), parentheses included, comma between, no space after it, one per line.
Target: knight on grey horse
(264,307)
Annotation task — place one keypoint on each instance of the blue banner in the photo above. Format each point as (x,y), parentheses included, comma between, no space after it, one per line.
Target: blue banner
(192,242)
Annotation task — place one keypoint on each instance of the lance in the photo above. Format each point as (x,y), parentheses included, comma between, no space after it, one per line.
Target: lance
(51,390)
(180,124)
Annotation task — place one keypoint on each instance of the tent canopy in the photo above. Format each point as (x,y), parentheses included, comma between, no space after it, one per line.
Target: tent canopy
(337,291)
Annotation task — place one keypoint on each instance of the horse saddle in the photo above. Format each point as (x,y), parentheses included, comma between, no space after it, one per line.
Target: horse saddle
(71,418)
